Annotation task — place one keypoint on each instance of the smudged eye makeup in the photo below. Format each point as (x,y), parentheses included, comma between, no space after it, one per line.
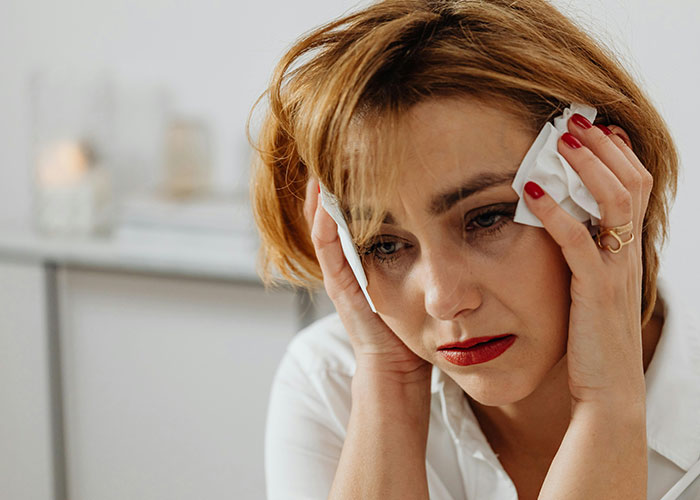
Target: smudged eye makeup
(479,226)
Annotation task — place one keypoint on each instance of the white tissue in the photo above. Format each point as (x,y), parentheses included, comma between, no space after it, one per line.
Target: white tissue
(331,205)
(544,165)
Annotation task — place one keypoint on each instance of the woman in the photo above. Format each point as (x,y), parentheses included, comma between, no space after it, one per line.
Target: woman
(416,116)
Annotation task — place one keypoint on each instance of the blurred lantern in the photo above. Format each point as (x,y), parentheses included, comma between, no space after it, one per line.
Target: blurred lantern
(187,168)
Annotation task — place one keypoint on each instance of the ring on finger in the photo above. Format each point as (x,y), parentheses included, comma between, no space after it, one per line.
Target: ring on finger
(615,232)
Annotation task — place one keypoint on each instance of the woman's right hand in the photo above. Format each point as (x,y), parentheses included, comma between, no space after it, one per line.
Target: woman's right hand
(376,346)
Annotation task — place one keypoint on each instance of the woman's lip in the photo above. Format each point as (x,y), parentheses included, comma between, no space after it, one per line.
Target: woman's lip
(481,353)
(471,342)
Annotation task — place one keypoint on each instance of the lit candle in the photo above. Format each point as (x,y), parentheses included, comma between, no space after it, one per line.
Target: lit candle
(62,164)
(72,192)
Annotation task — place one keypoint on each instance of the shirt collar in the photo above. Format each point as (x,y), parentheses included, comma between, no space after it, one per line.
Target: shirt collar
(672,384)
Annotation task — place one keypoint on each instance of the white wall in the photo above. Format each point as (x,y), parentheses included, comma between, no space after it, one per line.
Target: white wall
(216,57)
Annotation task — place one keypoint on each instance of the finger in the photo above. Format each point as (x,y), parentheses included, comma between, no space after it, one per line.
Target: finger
(577,245)
(613,198)
(599,141)
(338,277)
(310,201)
(595,139)
(626,149)
(342,286)
(647,178)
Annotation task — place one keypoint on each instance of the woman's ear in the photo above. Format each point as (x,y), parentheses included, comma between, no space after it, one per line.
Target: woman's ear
(621,133)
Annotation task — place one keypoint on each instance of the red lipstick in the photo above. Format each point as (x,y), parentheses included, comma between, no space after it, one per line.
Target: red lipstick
(477,350)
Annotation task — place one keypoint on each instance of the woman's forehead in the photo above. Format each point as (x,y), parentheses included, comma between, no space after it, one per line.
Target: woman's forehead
(438,125)
(441,138)
(441,151)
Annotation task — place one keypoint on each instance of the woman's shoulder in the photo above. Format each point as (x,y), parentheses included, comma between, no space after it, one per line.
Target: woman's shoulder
(312,385)
(673,380)
(324,346)
(308,411)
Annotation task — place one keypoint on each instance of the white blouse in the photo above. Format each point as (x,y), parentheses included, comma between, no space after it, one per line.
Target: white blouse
(310,402)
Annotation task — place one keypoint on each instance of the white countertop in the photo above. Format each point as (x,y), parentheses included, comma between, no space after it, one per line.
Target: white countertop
(229,256)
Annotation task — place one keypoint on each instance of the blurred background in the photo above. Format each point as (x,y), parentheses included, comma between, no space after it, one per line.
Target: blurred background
(137,345)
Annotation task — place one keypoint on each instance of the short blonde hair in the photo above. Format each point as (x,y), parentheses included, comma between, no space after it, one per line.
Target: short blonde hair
(372,65)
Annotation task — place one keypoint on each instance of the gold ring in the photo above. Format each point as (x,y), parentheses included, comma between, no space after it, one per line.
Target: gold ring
(615,232)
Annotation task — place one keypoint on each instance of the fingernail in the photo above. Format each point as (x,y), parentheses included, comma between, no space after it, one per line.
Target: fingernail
(319,188)
(571,141)
(533,189)
(605,129)
(581,121)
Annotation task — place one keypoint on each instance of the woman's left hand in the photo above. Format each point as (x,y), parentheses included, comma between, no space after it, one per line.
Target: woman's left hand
(604,350)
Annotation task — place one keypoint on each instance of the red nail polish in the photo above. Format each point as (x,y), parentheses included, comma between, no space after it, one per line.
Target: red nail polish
(605,129)
(533,189)
(319,189)
(581,121)
(571,141)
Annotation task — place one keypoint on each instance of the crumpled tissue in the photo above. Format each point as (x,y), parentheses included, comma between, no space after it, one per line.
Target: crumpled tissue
(544,165)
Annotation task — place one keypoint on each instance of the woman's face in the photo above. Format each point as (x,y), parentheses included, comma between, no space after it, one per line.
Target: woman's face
(451,265)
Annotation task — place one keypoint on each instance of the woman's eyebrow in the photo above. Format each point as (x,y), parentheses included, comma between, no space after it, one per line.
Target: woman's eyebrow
(444,201)
(441,203)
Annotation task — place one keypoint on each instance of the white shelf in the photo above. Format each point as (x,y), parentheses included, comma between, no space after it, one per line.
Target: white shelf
(229,256)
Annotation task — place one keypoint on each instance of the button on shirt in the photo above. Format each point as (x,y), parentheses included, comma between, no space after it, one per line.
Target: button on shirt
(310,402)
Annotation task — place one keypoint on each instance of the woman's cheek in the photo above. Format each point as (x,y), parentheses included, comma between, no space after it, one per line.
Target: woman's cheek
(392,296)
(401,308)
(411,332)
(387,284)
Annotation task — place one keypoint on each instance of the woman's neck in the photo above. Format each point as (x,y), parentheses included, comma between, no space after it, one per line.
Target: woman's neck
(535,426)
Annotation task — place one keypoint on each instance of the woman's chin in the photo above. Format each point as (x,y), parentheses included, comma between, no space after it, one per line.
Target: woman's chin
(491,392)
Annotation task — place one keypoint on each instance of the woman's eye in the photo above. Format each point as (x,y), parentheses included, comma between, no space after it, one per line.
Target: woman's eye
(487,220)
(384,251)
(491,221)
(488,223)
(387,247)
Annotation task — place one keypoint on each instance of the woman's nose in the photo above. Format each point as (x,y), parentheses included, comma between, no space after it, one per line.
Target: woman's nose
(449,288)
